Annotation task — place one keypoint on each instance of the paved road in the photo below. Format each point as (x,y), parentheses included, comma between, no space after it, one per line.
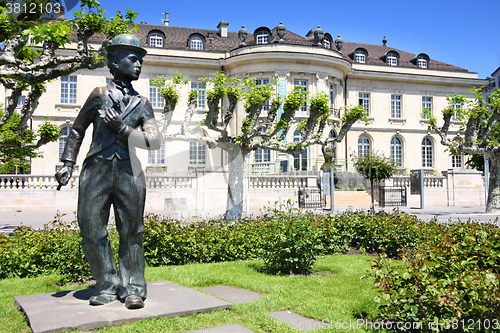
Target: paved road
(9,221)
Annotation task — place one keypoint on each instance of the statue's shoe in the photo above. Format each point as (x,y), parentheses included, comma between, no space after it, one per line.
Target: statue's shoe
(102,299)
(134,302)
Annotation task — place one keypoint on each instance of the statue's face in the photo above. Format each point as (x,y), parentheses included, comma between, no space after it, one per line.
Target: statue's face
(129,67)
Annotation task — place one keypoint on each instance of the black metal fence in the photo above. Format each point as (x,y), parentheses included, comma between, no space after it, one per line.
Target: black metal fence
(311,198)
(392,196)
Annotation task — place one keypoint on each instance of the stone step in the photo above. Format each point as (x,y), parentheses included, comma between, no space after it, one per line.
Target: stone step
(351,199)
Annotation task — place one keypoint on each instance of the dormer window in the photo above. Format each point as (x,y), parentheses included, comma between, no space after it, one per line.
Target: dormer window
(359,57)
(156,40)
(392,59)
(263,37)
(196,43)
(326,43)
(422,62)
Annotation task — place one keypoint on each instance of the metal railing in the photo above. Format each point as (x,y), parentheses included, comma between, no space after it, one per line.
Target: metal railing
(311,198)
(392,196)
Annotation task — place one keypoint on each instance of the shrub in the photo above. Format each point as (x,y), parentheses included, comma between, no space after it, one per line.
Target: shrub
(55,249)
(382,232)
(168,242)
(451,281)
(292,246)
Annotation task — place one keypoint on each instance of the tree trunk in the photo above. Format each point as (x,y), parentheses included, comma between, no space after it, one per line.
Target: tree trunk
(234,208)
(373,198)
(493,204)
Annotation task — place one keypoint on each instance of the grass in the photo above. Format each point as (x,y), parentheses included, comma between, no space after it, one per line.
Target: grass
(335,295)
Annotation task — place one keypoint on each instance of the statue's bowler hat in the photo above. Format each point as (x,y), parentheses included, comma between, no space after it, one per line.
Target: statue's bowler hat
(127,42)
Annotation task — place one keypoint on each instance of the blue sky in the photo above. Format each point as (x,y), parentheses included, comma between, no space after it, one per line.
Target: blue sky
(463,33)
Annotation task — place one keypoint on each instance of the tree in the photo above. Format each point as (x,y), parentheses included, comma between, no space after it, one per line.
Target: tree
(375,167)
(477,135)
(251,137)
(29,60)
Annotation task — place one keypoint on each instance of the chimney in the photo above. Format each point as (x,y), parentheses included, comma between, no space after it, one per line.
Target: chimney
(223,28)
(165,20)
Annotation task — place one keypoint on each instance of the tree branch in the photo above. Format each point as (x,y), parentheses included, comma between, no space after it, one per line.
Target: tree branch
(29,106)
(210,142)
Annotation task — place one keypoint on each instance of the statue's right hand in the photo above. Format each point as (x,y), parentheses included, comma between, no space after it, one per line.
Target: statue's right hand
(64,175)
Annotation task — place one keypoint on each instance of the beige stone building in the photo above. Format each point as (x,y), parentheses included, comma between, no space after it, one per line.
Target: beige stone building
(393,85)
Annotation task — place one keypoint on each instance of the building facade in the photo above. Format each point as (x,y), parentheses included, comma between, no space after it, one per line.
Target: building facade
(392,85)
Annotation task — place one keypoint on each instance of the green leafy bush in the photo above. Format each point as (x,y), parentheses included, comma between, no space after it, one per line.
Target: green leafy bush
(55,249)
(380,233)
(292,246)
(450,281)
(168,242)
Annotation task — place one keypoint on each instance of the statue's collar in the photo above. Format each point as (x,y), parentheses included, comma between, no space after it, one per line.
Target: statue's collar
(121,85)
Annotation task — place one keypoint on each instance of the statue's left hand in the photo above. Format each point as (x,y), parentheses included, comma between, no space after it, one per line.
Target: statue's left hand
(113,119)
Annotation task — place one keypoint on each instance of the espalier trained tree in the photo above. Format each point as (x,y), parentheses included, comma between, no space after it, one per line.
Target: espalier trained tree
(252,135)
(477,135)
(30,59)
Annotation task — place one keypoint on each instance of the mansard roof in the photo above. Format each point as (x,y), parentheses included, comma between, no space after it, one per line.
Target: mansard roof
(178,37)
(375,52)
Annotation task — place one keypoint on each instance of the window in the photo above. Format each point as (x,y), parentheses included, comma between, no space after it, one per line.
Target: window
(197,153)
(196,43)
(299,160)
(363,146)
(392,59)
(260,82)
(364,99)
(20,101)
(422,62)
(360,57)
(326,43)
(395,106)
(157,101)
(427,153)
(155,40)
(62,139)
(157,156)
(458,107)
(332,135)
(456,161)
(262,155)
(426,104)
(303,85)
(68,89)
(332,96)
(397,151)
(200,103)
(262,37)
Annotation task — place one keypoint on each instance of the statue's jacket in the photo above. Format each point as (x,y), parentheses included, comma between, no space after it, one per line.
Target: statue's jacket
(106,143)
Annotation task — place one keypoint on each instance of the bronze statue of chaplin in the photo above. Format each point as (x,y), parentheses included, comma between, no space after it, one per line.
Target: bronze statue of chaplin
(111,175)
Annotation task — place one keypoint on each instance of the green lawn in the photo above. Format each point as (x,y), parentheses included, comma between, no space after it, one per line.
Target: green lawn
(338,295)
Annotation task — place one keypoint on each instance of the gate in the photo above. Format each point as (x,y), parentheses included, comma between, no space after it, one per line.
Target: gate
(311,198)
(392,196)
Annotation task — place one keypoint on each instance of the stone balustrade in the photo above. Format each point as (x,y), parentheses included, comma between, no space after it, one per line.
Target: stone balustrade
(153,181)
(166,181)
(429,181)
(279,181)
(8,182)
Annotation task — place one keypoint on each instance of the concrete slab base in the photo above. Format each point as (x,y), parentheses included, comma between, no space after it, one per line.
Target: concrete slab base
(233,295)
(234,328)
(297,321)
(52,312)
